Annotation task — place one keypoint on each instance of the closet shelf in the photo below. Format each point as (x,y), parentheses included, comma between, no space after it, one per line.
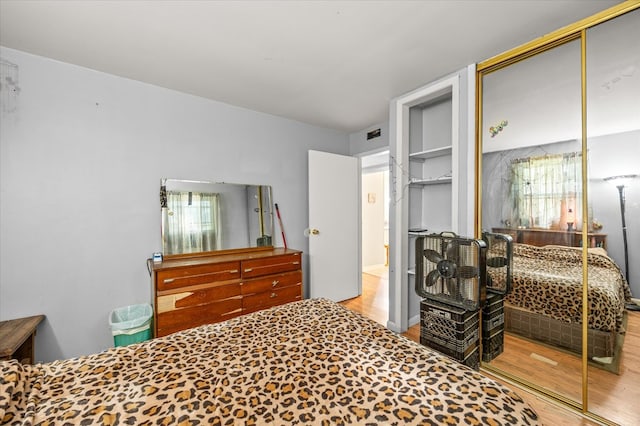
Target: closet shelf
(430,153)
(438,181)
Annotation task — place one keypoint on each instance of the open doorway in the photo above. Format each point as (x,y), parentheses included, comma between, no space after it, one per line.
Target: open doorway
(375,222)
(374,300)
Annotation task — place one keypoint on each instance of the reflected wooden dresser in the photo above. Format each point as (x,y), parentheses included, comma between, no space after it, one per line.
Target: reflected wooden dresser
(192,291)
(543,237)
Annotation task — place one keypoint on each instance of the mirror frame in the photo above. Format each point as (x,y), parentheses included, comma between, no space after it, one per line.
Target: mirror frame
(576,31)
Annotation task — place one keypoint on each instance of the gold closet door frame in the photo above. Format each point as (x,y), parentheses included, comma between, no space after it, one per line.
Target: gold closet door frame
(564,35)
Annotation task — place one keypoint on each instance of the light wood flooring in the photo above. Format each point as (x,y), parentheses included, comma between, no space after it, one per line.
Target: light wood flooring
(612,396)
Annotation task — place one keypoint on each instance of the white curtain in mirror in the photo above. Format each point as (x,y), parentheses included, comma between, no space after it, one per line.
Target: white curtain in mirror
(546,191)
(193,222)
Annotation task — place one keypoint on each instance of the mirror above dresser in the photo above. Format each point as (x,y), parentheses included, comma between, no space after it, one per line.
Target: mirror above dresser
(201,216)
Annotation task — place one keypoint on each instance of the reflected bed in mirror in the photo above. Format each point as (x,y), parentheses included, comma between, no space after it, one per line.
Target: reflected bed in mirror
(200,216)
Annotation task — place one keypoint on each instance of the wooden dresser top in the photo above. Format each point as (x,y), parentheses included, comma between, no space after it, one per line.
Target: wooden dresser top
(13,333)
(204,259)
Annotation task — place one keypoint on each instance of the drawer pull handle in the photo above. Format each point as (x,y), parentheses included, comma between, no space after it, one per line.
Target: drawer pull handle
(275,283)
(168,280)
(233,271)
(296,263)
(273,295)
(248,270)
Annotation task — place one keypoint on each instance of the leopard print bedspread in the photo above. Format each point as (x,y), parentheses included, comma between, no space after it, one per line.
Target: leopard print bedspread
(548,280)
(308,362)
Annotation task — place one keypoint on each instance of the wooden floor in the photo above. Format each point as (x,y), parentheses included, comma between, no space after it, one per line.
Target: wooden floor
(612,396)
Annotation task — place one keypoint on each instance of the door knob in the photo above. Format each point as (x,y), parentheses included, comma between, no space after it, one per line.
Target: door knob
(311,231)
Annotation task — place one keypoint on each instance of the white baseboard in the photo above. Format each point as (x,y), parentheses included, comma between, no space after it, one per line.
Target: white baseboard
(414,320)
(393,327)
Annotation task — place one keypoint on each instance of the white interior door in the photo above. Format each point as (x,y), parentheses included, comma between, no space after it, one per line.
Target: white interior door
(334,226)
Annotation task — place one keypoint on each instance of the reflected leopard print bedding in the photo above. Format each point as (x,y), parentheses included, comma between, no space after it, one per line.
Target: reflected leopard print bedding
(308,362)
(548,280)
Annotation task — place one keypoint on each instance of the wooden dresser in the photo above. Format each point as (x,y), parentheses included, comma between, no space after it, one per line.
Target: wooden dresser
(17,338)
(191,291)
(543,237)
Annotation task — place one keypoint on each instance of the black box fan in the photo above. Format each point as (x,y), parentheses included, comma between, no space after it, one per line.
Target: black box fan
(499,262)
(450,269)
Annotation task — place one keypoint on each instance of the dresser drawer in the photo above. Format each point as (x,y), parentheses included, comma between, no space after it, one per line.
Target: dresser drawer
(198,296)
(270,265)
(271,282)
(255,302)
(181,319)
(180,277)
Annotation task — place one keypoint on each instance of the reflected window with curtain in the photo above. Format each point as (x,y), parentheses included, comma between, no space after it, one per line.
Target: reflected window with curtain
(193,221)
(546,191)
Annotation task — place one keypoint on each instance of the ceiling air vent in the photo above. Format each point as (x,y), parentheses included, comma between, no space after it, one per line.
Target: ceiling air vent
(373,134)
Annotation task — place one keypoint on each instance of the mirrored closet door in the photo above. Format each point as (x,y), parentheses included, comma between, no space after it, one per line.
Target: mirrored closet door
(531,191)
(559,203)
(613,146)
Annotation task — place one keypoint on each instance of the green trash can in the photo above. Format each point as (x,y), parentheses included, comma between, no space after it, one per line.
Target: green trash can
(131,324)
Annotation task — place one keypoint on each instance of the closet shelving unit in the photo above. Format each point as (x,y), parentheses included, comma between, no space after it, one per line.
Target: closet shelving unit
(425,128)
(431,177)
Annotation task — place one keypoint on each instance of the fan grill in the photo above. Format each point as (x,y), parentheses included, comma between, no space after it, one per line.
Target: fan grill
(449,269)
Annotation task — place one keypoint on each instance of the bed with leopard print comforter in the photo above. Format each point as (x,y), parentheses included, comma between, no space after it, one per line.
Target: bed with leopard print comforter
(307,362)
(548,281)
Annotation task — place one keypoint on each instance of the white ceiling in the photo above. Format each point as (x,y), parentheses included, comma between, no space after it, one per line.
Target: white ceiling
(334,64)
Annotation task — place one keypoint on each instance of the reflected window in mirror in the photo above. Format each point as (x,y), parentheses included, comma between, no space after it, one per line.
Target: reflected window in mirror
(193,222)
(546,190)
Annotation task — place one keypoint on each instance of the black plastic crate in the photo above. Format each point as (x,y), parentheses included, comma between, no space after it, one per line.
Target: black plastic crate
(490,356)
(491,343)
(487,333)
(492,314)
(453,313)
(473,360)
(494,302)
(495,310)
(431,319)
(470,358)
(489,324)
(458,349)
(447,328)
(499,310)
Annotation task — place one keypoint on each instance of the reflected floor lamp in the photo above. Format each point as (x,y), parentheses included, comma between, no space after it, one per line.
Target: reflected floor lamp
(620,182)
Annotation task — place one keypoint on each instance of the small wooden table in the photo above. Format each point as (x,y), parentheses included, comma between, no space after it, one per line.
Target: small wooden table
(17,338)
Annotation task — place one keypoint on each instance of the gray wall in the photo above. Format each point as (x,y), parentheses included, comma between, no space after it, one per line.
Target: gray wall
(82,154)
